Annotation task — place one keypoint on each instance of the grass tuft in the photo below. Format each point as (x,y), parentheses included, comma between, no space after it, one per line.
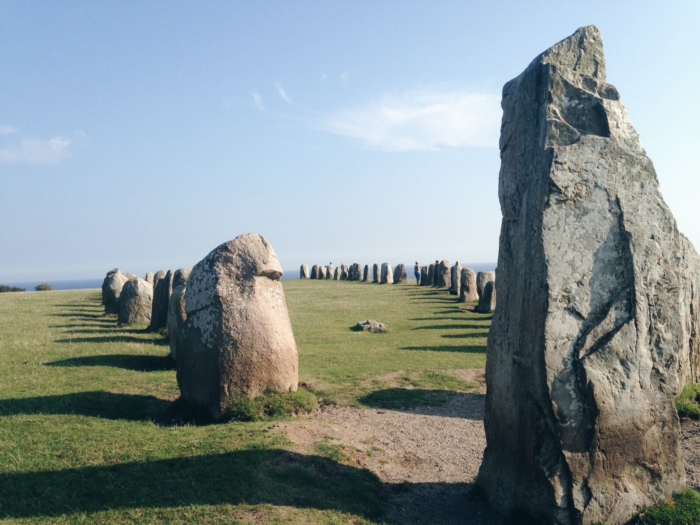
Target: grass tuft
(272,406)
(688,401)
(682,509)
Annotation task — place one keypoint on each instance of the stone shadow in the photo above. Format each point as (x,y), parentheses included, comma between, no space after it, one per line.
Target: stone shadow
(427,402)
(112,339)
(138,363)
(447,348)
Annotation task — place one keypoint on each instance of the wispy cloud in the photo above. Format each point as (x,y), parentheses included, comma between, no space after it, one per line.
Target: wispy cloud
(18,149)
(282,93)
(421,120)
(257,100)
(345,78)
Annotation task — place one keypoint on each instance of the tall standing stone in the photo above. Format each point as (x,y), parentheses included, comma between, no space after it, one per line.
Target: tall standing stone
(592,333)
(336,276)
(304,271)
(387,274)
(400,276)
(481,279)
(111,290)
(135,302)
(444,275)
(375,274)
(455,278)
(314,272)
(366,275)
(431,276)
(180,277)
(424,278)
(177,315)
(329,272)
(487,301)
(149,278)
(237,340)
(159,305)
(468,292)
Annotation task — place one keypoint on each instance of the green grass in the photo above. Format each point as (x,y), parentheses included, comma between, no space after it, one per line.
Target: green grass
(687,402)
(683,509)
(86,433)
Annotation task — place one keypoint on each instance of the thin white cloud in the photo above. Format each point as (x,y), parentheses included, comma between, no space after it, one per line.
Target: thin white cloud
(324,77)
(20,150)
(345,78)
(282,93)
(7,130)
(421,120)
(257,100)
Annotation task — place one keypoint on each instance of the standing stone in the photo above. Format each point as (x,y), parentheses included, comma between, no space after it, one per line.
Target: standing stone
(343,273)
(375,274)
(431,276)
(180,277)
(445,274)
(387,274)
(329,271)
(237,340)
(592,326)
(304,272)
(366,275)
(149,278)
(481,279)
(468,291)
(135,302)
(314,272)
(111,290)
(161,297)
(336,276)
(424,278)
(157,277)
(400,276)
(177,315)
(455,278)
(487,301)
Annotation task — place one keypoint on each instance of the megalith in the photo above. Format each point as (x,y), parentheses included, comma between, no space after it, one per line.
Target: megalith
(467,292)
(237,340)
(431,276)
(487,301)
(445,274)
(304,272)
(400,276)
(366,275)
(159,305)
(322,272)
(455,277)
(424,276)
(375,273)
(180,277)
(592,332)
(343,273)
(149,278)
(314,272)
(157,277)
(336,276)
(329,272)
(481,279)
(135,302)
(387,275)
(177,315)
(111,290)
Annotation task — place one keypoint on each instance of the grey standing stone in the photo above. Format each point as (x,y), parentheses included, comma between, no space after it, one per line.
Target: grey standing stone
(387,274)
(149,278)
(375,274)
(314,272)
(304,272)
(159,306)
(468,291)
(343,273)
(336,276)
(592,332)
(180,277)
(111,290)
(431,275)
(455,277)
(237,340)
(177,315)
(157,277)
(424,277)
(135,302)
(481,279)
(400,276)
(329,272)
(445,274)
(487,301)
(366,274)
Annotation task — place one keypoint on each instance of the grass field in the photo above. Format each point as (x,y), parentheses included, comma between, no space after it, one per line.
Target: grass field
(79,397)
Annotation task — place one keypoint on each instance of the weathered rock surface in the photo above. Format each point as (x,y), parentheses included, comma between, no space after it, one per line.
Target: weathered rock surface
(424,278)
(455,276)
(336,276)
(237,339)
(177,315)
(149,278)
(159,306)
(329,272)
(356,272)
(375,274)
(467,291)
(371,326)
(111,290)
(431,276)
(157,277)
(180,277)
(343,273)
(321,272)
(591,339)
(400,276)
(314,272)
(387,274)
(487,301)
(481,279)
(444,274)
(135,302)
(366,274)
(304,272)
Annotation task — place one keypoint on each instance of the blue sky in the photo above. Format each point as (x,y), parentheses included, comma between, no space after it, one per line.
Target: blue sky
(144,134)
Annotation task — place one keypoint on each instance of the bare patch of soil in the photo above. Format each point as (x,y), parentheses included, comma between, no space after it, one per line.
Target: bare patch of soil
(690,445)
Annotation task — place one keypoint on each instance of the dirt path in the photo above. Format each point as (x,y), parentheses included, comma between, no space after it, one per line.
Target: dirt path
(428,457)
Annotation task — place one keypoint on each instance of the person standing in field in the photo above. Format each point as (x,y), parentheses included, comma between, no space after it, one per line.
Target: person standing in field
(416,272)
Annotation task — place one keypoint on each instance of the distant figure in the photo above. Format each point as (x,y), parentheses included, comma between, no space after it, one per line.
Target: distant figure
(416,272)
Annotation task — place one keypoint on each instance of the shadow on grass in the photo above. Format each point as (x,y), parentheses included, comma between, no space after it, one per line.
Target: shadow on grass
(113,339)
(448,348)
(138,363)
(425,401)
(275,477)
(461,326)
(105,329)
(81,315)
(106,405)
(466,336)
